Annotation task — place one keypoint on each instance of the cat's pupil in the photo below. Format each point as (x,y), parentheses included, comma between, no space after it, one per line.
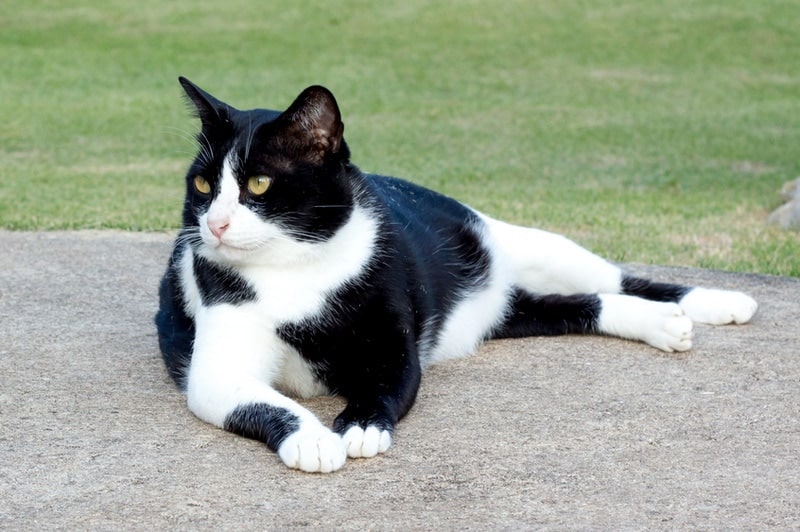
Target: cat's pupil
(202,185)
(258,185)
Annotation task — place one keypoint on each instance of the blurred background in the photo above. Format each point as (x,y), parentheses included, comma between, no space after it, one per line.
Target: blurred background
(649,131)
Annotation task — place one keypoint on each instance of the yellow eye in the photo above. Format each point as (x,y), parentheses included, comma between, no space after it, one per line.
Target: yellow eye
(259,184)
(201,185)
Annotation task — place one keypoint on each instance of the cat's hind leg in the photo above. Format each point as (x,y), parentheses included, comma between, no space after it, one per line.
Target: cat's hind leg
(541,262)
(662,325)
(546,263)
(561,288)
(702,305)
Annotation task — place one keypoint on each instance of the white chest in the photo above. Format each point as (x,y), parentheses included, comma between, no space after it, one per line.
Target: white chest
(292,283)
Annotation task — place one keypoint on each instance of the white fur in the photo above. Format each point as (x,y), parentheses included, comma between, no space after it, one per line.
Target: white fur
(296,291)
(547,263)
(473,318)
(718,307)
(532,259)
(366,443)
(237,367)
(247,238)
(190,291)
(290,278)
(662,325)
(225,205)
(314,450)
(236,354)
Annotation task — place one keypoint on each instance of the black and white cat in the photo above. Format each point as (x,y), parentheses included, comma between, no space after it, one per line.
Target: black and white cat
(295,273)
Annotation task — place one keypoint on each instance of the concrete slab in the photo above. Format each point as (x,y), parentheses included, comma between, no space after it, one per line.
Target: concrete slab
(572,432)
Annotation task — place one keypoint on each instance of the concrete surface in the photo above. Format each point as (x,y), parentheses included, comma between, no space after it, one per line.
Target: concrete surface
(558,433)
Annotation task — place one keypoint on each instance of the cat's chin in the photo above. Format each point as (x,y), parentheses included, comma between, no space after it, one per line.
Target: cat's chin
(220,251)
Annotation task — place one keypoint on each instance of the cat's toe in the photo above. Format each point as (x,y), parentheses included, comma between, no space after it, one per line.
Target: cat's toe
(718,307)
(366,443)
(678,334)
(662,325)
(313,451)
(669,329)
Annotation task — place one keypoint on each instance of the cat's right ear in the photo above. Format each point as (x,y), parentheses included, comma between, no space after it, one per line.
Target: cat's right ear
(210,111)
(315,123)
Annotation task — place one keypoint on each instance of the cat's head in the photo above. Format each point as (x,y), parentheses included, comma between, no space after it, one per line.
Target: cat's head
(267,185)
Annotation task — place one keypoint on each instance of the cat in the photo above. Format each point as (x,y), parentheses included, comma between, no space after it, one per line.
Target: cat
(295,273)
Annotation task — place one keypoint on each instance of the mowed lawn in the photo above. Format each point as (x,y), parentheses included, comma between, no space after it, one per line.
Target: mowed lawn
(649,131)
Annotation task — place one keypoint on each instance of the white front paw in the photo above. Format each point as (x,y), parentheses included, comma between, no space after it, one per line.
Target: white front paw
(366,443)
(314,450)
(718,307)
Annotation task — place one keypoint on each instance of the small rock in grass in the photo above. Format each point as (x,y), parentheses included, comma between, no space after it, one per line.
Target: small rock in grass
(791,190)
(787,216)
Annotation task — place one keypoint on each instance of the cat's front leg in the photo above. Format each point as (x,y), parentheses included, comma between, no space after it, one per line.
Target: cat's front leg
(373,409)
(228,386)
(367,442)
(300,440)
(255,410)
(365,433)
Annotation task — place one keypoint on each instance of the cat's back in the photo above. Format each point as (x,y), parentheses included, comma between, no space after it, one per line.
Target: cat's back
(438,238)
(420,210)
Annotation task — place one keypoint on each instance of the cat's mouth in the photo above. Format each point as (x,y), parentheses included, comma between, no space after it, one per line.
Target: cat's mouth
(225,249)
(221,246)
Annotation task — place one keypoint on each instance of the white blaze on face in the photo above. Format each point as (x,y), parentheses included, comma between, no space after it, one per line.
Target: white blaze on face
(217,220)
(231,231)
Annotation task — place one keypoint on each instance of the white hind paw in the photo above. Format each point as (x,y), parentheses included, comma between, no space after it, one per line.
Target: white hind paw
(366,443)
(671,331)
(314,450)
(718,307)
(662,325)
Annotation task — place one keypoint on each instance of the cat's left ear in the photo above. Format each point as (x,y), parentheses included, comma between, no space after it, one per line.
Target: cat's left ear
(315,122)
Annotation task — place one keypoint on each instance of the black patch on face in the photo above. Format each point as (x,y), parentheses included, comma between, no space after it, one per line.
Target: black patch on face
(309,203)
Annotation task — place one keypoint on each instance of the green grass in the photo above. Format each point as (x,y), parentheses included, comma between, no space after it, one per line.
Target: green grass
(649,131)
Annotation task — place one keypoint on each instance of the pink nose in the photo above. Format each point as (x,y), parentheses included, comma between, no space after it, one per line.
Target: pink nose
(218,227)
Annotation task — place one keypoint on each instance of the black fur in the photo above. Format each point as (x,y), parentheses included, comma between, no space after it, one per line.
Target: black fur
(370,353)
(220,285)
(550,315)
(636,286)
(266,423)
(175,328)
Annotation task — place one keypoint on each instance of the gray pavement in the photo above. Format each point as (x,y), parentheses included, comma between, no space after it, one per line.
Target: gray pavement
(541,433)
